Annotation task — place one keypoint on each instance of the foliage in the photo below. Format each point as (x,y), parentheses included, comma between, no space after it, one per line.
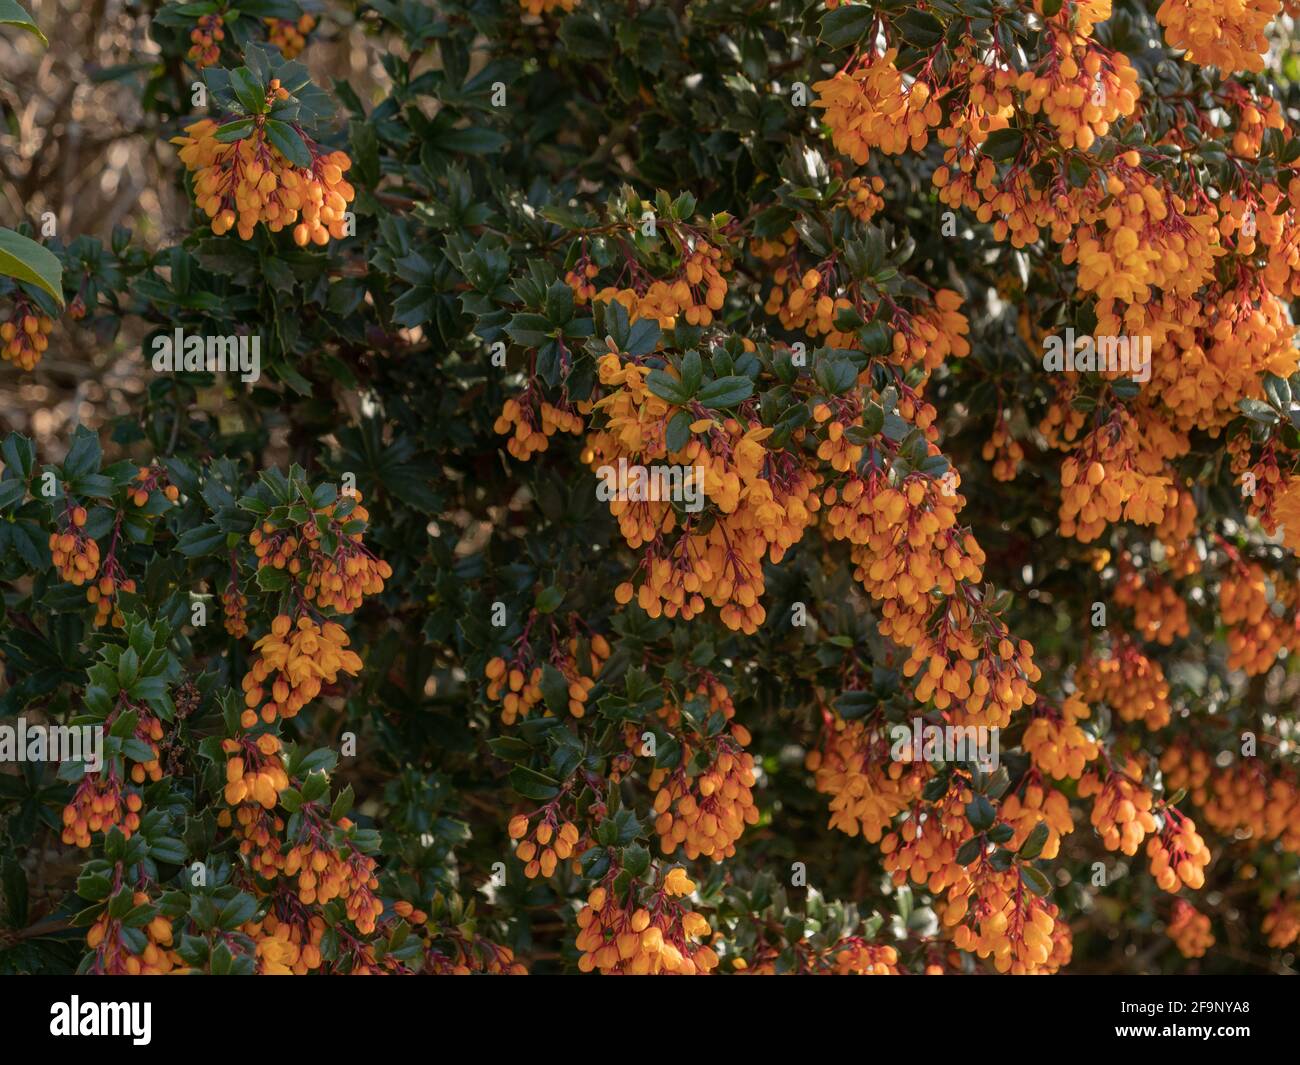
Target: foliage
(388,684)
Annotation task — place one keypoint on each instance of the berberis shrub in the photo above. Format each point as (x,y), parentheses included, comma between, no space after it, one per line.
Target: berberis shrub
(692,487)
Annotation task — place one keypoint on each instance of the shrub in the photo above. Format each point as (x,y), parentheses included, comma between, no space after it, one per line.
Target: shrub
(396,672)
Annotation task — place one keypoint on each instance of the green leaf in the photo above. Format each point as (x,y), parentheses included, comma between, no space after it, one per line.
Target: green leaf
(13,15)
(1277,390)
(137,750)
(1258,411)
(342,803)
(234,131)
(692,372)
(555,689)
(678,434)
(548,599)
(666,388)
(559,303)
(237,911)
(248,90)
(636,860)
(1035,880)
(533,785)
(643,337)
(314,786)
(472,141)
(222,960)
(509,748)
(725,392)
(286,140)
(94,887)
(1000,833)
(201,540)
(83,457)
(171,851)
(876,338)
(846,24)
(529,330)
(920,28)
(1033,845)
(1003,144)
(270,579)
(873,418)
(29,262)
(980,813)
(851,704)
(18,454)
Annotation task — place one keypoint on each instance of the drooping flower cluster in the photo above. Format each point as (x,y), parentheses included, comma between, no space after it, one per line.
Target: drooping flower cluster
(1178,853)
(706,813)
(289,35)
(1129,682)
(1056,742)
(1081,87)
(868,789)
(112,950)
(754,503)
(869,105)
(997,917)
(1257,632)
(1121,811)
(337,579)
(100,802)
(517,682)
(1190,930)
(205,41)
(76,555)
(1227,36)
(242,183)
(293,663)
(25,335)
(530,423)
(623,937)
(545,844)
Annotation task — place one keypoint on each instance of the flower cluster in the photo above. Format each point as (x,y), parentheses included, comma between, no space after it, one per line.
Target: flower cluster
(241,183)
(24,336)
(706,813)
(868,105)
(340,570)
(1121,811)
(1189,929)
(517,682)
(1178,854)
(289,35)
(547,843)
(622,937)
(759,503)
(867,788)
(1230,37)
(114,953)
(293,663)
(205,41)
(1129,682)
